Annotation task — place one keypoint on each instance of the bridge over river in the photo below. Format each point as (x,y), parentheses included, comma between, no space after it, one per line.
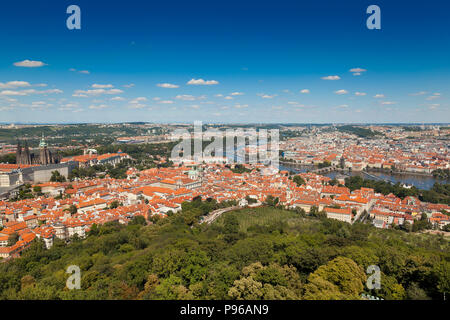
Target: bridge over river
(310,167)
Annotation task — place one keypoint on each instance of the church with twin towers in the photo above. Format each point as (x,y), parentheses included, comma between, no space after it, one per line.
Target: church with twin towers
(44,157)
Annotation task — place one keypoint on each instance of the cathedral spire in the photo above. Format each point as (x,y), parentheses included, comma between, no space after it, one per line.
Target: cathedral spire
(42,144)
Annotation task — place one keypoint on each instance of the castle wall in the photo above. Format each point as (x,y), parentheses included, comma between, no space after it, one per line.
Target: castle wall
(43,174)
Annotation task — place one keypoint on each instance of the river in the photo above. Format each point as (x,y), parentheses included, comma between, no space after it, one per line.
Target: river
(419,181)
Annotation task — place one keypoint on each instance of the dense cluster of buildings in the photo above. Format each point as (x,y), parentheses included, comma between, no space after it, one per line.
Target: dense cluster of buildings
(418,154)
(160,191)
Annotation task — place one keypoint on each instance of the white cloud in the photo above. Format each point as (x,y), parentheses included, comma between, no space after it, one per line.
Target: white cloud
(14,84)
(138,100)
(343,106)
(304,91)
(94,92)
(195,106)
(68,106)
(38,103)
(185,97)
(331,78)
(117,99)
(137,106)
(85,93)
(388,102)
(357,71)
(267,96)
(434,96)
(48,91)
(420,93)
(166,102)
(202,82)
(228,98)
(102,86)
(378,95)
(98,107)
(219,95)
(236,94)
(29,64)
(114,91)
(129,85)
(342,91)
(240,106)
(81,71)
(167,85)
(360,94)
(27,92)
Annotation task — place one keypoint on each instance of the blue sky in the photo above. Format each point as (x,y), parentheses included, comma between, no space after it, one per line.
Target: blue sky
(249,61)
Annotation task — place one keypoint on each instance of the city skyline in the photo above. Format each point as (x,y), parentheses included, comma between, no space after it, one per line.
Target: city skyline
(225,63)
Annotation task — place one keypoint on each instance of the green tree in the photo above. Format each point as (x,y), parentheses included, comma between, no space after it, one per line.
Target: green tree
(72,209)
(390,289)
(149,288)
(114,204)
(138,220)
(415,292)
(318,288)
(299,180)
(172,289)
(343,273)
(13,238)
(37,190)
(57,177)
(271,201)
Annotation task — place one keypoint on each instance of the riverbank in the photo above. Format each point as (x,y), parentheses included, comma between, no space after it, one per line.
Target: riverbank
(419,180)
(288,164)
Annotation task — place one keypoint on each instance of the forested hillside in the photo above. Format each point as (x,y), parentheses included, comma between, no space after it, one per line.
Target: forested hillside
(264,253)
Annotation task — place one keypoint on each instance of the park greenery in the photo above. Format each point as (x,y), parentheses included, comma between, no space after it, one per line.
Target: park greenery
(60,135)
(324,164)
(441,173)
(239,168)
(118,171)
(359,131)
(298,180)
(252,253)
(25,192)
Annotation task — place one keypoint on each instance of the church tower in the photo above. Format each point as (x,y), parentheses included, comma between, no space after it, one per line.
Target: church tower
(26,157)
(44,153)
(19,153)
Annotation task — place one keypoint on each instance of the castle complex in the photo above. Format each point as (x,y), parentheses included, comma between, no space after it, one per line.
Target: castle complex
(45,156)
